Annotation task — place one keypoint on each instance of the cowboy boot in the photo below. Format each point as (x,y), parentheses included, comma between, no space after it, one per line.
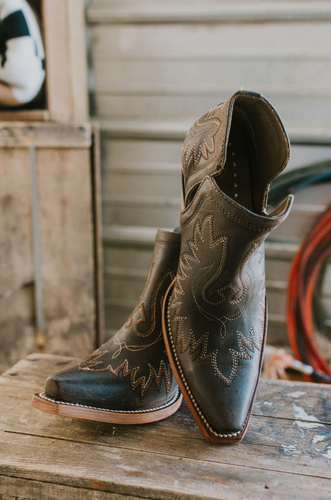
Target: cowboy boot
(128,380)
(215,312)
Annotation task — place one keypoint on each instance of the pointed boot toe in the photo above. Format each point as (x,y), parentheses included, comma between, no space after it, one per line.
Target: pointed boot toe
(52,388)
(215,313)
(128,379)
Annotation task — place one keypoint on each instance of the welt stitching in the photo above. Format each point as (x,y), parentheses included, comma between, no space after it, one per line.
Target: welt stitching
(172,401)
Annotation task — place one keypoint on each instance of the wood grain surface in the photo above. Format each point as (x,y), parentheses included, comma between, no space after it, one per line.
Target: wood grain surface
(285,454)
(66,197)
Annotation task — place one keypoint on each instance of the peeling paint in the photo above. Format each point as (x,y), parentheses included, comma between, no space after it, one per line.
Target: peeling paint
(318,438)
(291,448)
(300,414)
(328,453)
(296,394)
(308,425)
(126,467)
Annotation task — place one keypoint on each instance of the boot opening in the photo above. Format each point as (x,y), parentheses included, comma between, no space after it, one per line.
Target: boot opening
(237,176)
(256,153)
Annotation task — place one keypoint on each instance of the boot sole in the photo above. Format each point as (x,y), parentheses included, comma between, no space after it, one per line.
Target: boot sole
(53,407)
(206,430)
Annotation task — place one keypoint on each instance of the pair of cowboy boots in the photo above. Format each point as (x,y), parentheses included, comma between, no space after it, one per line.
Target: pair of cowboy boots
(199,328)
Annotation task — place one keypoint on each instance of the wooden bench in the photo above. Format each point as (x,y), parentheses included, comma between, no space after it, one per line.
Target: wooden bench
(286,453)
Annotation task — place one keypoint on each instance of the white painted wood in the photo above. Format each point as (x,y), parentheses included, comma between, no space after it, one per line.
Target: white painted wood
(151,201)
(289,40)
(192,11)
(171,130)
(130,236)
(296,76)
(308,120)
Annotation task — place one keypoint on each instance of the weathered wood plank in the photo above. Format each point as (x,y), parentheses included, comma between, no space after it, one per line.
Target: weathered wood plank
(16,264)
(67,250)
(33,370)
(25,115)
(66,67)
(228,40)
(288,444)
(154,475)
(277,444)
(58,70)
(97,232)
(60,156)
(176,129)
(77,58)
(26,489)
(180,76)
(131,214)
(313,398)
(180,105)
(289,431)
(44,135)
(243,11)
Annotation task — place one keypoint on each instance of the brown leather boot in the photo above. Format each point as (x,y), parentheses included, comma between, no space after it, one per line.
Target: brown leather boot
(215,313)
(128,380)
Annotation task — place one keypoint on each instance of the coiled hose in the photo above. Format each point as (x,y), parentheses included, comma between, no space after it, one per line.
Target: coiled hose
(305,274)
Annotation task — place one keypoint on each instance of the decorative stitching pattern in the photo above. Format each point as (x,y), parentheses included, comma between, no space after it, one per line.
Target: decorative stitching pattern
(245,345)
(42,395)
(184,273)
(239,311)
(140,306)
(184,263)
(132,347)
(93,361)
(202,133)
(231,286)
(164,371)
(195,404)
(212,111)
(193,344)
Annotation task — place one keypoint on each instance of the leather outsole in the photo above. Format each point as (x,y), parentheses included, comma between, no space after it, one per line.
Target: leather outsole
(207,431)
(53,407)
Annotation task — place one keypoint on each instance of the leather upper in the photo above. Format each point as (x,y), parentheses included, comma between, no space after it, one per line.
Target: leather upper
(217,309)
(131,371)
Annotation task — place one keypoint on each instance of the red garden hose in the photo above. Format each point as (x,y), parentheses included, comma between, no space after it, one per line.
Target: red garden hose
(302,280)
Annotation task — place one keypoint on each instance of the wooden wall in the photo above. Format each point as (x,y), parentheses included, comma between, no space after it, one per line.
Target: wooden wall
(156,66)
(48,262)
